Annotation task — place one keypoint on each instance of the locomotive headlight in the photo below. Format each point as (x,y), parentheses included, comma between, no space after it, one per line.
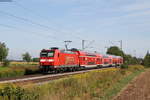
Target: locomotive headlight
(50,60)
(42,60)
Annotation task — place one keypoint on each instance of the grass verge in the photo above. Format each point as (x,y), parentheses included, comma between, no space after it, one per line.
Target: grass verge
(96,85)
(20,70)
(117,87)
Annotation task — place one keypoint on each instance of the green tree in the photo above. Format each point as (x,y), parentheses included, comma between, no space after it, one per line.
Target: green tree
(128,59)
(3,51)
(147,60)
(6,63)
(26,57)
(141,61)
(114,50)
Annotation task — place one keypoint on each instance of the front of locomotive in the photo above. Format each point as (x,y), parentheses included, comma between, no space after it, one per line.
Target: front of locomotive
(47,60)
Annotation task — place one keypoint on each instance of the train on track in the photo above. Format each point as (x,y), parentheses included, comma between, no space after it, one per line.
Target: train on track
(56,60)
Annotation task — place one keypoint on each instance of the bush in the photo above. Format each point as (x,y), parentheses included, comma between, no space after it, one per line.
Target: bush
(12,92)
(35,59)
(6,63)
(31,70)
(124,66)
(123,71)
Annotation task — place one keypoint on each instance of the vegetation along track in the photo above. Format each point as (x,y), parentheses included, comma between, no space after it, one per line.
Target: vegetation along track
(39,78)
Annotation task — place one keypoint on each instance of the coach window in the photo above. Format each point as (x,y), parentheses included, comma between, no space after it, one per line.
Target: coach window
(50,54)
(110,60)
(86,58)
(83,58)
(98,59)
(101,60)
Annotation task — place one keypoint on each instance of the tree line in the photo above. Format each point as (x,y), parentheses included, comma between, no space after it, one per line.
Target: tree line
(27,57)
(129,59)
(4,50)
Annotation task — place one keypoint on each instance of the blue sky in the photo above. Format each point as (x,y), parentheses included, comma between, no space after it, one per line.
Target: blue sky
(104,21)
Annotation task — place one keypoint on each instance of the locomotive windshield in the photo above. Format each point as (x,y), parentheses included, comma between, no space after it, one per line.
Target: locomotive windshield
(47,54)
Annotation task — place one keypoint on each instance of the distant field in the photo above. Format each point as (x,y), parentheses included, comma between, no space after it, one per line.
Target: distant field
(18,69)
(3,68)
(24,63)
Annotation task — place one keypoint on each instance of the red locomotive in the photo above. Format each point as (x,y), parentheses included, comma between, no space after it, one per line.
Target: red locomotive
(57,60)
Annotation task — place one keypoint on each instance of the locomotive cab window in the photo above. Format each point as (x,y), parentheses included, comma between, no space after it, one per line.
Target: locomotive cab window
(43,54)
(47,54)
(50,54)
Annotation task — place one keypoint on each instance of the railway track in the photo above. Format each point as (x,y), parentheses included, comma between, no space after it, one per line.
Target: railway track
(39,79)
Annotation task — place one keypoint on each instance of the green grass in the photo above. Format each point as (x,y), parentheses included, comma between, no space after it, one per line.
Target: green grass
(3,68)
(96,85)
(18,70)
(116,88)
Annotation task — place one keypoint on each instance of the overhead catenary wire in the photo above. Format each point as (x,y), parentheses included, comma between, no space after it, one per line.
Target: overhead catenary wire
(25,19)
(88,45)
(23,30)
(16,3)
(35,23)
(46,19)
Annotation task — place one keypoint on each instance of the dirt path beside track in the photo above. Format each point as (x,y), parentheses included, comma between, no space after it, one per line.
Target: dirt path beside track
(138,89)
